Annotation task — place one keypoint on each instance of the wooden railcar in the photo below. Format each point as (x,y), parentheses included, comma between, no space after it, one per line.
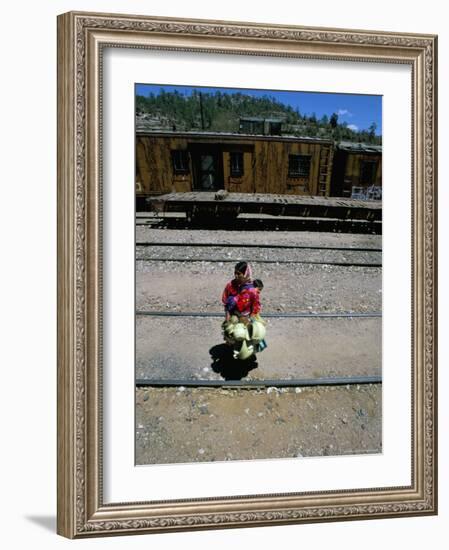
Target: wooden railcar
(357,171)
(216,205)
(173,162)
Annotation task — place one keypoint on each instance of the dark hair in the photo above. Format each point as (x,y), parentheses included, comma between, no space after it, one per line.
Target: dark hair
(258,283)
(241,267)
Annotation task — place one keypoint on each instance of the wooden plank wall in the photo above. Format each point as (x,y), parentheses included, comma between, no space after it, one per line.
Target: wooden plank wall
(265,166)
(353,168)
(244,184)
(271,168)
(154,169)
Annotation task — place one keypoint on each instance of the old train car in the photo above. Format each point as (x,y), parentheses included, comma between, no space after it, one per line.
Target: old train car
(168,162)
(357,171)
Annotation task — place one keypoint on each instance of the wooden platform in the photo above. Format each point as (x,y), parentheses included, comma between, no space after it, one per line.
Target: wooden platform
(223,203)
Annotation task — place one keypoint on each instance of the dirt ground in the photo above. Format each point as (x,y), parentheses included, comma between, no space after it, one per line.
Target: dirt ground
(149,234)
(193,348)
(182,425)
(197,286)
(191,424)
(180,286)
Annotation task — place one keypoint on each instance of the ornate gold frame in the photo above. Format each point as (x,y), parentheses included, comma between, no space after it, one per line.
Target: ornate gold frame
(81,37)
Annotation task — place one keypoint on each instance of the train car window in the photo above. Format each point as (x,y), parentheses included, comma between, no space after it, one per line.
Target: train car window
(275,128)
(180,160)
(251,126)
(367,172)
(236,164)
(298,166)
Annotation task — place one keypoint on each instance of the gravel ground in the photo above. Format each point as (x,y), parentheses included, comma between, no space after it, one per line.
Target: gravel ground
(233,255)
(302,238)
(297,348)
(206,424)
(186,425)
(173,286)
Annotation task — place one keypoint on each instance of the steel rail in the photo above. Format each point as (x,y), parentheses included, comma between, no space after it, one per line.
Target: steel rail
(230,260)
(252,245)
(253,384)
(295,315)
(144,220)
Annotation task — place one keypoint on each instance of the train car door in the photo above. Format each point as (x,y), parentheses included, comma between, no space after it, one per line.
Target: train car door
(208,169)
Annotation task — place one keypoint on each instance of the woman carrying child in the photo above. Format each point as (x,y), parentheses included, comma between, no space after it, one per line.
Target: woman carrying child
(240,296)
(241,299)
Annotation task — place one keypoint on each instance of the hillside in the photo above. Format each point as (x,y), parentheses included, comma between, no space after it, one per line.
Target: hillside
(220,112)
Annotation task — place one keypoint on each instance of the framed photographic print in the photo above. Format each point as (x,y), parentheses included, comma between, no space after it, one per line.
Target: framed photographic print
(219,193)
(247,274)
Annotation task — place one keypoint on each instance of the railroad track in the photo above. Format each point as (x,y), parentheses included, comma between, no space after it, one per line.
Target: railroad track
(292,315)
(252,384)
(253,245)
(230,260)
(143,246)
(255,384)
(145,251)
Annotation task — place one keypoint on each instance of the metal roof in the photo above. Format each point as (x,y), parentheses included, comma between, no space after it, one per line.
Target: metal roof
(342,145)
(260,119)
(359,147)
(229,135)
(252,118)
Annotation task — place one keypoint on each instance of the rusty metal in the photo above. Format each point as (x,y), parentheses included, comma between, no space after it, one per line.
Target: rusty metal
(235,260)
(294,315)
(253,245)
(254,384)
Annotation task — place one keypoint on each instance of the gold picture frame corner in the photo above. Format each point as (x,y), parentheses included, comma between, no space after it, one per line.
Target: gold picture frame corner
(81,511)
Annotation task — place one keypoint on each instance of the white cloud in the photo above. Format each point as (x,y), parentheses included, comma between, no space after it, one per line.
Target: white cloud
(353,127)
(343,112)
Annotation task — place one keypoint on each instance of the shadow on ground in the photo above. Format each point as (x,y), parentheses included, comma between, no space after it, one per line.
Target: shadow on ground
(46,522)
(264,224)
(223,363)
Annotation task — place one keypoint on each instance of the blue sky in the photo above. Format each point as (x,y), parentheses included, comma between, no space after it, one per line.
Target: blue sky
(358,111)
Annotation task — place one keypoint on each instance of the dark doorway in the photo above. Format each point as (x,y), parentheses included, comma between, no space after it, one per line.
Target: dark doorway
(207,168)
(338,174)
(368,172)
